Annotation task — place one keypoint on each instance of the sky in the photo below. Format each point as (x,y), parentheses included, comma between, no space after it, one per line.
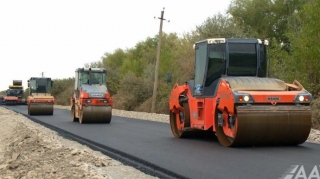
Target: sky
(56,37)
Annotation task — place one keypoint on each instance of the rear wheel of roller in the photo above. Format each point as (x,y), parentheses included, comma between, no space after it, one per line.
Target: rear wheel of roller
(81,117)
(178,122)
(219,122)
(73,114)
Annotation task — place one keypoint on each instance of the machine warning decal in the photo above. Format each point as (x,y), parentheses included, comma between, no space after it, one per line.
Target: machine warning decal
(225,95)
(198,88)
(195,116)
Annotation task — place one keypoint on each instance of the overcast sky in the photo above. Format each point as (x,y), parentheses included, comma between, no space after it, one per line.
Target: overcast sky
(56,37)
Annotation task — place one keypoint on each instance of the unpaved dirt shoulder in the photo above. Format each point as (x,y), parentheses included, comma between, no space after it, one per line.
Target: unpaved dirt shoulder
(314,136)
(29,150)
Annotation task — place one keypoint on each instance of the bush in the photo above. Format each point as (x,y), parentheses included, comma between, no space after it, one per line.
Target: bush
(145,106)
(64,97)
(133,92)
(62,90)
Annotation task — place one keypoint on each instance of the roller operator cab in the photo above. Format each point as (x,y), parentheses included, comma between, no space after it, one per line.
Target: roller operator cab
(91,101)
(40,101)
(232,95)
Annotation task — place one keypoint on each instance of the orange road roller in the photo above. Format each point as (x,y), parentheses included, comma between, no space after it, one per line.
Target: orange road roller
(15,94)
(91,101)
(40,101)
(232,95)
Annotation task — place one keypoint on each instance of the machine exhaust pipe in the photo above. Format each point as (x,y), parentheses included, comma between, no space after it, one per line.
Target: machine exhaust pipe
(90,76)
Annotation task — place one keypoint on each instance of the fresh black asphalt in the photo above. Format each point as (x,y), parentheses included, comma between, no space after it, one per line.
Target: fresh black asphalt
(193,158)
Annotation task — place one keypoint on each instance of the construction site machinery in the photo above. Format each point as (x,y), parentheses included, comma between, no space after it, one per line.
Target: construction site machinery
(15,94)
(40,101)
(232,95)
(91,101)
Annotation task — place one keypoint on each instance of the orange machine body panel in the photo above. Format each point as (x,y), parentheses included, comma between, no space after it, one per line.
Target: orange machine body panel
(40,99)
(10,98)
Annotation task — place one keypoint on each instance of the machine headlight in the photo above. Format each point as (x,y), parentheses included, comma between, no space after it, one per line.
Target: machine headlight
(243,98)
(301,98)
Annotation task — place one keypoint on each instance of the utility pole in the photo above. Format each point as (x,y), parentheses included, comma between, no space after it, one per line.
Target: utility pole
(155,84)
(42,74)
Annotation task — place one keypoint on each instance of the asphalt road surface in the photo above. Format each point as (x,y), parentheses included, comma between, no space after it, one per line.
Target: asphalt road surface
(193,158)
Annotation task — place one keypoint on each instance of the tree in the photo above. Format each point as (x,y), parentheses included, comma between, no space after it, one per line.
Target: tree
(26,93)
(3,92)
(112,62)
(265,18)
(96,64)
(218,26)
(305,46)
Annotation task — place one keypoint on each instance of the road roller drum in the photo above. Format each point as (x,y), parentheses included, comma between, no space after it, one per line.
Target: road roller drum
(96,114)
(289,126)
(40,109)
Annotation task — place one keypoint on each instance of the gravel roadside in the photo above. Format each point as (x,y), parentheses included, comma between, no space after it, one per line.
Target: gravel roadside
(29,150)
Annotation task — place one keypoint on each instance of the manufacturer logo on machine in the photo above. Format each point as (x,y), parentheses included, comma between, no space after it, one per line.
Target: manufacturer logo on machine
(273,98)
(198,88)
(297,171)
(96,95)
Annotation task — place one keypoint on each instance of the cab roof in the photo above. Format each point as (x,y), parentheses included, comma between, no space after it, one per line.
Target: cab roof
(223,40)
(92,69)
(35,78)
(15,87)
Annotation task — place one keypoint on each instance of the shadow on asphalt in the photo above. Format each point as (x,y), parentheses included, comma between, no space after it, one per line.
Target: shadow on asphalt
(210,137)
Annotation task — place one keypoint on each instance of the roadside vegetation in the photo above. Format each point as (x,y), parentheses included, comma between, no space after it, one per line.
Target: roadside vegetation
(62,90)
(2,93)
(291,27)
